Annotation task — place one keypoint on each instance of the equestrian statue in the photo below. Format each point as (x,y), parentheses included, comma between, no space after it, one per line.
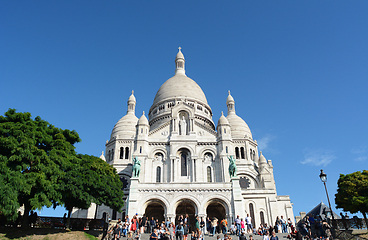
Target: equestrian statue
(136,167)
(232,167)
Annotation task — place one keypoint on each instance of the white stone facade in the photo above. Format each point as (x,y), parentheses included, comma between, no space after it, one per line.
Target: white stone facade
(184,160)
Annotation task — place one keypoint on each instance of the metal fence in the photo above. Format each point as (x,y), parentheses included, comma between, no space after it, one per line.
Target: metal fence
(351,223)
(75,223)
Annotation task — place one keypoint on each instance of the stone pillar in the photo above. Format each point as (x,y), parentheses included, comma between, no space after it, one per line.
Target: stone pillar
(133,197)
(237,197)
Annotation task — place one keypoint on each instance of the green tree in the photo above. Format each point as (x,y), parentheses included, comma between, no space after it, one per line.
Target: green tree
(352,193)
(33,156)
(90,179)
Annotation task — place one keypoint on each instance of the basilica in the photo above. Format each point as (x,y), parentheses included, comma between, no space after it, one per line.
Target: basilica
(182,160)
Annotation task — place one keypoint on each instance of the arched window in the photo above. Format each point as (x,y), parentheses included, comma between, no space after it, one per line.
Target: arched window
(121,153)
(158,174)
(226,150)
(209,175)
(242,153)
(141,130)
(262,218)
(109,156)
(184,164)
(251,154)
(224,130)
(140,149)
(237,153)
(126,153)
(112,154)
(251,213)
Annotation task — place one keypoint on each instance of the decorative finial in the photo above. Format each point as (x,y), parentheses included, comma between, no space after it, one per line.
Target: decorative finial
(132,92)
(260,152)
(222,113)
(229,92)
(143,113)
(179,49)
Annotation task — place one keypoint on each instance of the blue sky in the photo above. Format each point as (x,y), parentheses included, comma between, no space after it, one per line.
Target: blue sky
(298,71)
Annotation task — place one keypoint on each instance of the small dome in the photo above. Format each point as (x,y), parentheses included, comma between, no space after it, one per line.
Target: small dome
(222,120)
(143,120)
(103,156)
(125,126)
(132,98)
(229,99)
(262,159)
(179,55)
(239,129)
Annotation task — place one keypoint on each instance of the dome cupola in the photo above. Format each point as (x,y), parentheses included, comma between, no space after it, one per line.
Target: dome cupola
(125,127)
(239,128)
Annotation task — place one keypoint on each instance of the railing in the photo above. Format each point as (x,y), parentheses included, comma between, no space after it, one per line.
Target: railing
(351,223)
(75,223)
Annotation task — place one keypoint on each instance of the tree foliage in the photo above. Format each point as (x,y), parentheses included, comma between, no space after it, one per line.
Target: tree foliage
(90,179)
(32,158)
(39,167)
(352,193)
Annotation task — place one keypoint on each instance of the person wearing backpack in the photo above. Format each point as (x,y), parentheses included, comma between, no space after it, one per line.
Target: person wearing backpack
(224,225)
(179,231)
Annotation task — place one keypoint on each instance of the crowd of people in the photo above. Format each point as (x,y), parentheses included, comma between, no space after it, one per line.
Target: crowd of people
(310,228)
(313,227)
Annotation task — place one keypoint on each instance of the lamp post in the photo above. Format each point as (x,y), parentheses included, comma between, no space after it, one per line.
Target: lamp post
(323,177)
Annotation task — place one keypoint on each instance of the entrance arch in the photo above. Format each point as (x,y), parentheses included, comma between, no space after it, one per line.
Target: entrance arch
(184,207)
(156,209)
(216,208)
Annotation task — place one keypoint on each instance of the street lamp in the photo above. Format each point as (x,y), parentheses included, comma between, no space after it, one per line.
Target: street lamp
(323,177)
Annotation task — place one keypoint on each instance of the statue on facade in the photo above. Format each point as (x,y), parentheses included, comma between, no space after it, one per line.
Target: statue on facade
(232,167)
(136,167)
(183,126)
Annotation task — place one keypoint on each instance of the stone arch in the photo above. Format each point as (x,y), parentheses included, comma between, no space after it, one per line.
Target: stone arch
(213,151)
(177,148)
(188,207)
(158,149)
(182,108)
(216,208)
(155,208)
(248,204)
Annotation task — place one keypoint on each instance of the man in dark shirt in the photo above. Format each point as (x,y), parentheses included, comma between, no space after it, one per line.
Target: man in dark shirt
(242,236)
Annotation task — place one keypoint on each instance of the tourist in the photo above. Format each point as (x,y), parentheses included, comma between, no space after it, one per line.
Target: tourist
(249,223)
(134,222)
(277,223)
(202,225)
(266,236)
(144,223)
(290,225)
(251,237)
(152,224)
(233,229)
(242,236)
(179,231)
(186,231)
(274,237)
(242,225)
(214,225)
(194,236)
(197,224)
(208,225)
(238,225)
(154,235)
(171,231)
(283,224)
(224,225)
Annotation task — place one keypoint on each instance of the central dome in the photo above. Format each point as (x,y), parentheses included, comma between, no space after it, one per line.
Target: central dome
(180,86)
